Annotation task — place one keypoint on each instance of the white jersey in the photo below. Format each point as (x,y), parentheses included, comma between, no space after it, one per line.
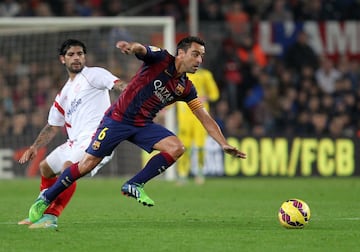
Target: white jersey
(81,103)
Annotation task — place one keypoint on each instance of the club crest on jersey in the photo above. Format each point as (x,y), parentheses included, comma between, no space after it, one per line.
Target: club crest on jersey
(96,145)
(154,48)
(179,90)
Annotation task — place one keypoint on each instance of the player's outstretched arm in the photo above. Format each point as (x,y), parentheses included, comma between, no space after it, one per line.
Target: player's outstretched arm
(214,131)
(44,137)
(131,47)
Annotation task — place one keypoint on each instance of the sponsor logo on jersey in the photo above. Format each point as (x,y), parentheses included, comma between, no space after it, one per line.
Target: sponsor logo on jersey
(73,106)
(162,92)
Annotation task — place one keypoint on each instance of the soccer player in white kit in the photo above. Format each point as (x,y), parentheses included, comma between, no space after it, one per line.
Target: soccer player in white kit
(79,107)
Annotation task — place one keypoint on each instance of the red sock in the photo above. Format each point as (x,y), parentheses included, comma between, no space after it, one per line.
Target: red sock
(46,182)
(58,205)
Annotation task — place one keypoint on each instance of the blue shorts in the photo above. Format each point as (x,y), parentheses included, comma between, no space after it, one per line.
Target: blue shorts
(110,133)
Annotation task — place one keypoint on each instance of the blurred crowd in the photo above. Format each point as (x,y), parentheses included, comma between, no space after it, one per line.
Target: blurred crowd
(300,93)
(219,10)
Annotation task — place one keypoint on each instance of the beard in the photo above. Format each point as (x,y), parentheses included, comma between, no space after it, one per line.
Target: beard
(76,69)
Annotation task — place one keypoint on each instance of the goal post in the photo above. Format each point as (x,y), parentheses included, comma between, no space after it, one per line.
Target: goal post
(28,46)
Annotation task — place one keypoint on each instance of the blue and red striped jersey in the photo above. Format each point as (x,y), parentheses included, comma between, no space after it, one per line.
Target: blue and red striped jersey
(155,86)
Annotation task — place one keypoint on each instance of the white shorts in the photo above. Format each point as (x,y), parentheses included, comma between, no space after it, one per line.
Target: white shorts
(72,151)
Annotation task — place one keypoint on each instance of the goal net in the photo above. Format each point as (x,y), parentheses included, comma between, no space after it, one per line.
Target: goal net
(31,75)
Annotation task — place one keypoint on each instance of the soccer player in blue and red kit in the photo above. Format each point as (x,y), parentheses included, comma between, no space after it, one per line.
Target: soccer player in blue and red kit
(159,82)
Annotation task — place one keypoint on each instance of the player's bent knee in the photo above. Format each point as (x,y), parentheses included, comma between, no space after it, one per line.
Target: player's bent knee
(67,164)
(176,151)
(171,145)
(181,150)
(45,170)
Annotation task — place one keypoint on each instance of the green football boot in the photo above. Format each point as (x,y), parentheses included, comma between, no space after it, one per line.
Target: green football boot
(137,191)
(38,208)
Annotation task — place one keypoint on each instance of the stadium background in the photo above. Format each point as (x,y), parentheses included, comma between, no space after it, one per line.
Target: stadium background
(293,107)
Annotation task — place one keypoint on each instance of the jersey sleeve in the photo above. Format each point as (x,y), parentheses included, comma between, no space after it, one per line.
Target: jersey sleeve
(56,115)
(153,54)
(99,77)
(192,98)
(190,92)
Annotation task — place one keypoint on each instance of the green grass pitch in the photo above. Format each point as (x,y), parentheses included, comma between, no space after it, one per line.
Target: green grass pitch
(225,214)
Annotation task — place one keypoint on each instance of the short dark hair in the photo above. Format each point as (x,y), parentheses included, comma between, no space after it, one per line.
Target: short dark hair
(185,43)
(68,43)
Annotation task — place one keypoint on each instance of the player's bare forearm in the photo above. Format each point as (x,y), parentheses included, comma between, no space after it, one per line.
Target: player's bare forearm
(214,131)
(131,47)
(45,136)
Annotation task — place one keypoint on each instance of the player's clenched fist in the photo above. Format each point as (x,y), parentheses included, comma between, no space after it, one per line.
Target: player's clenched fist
(124,47)
(129,48)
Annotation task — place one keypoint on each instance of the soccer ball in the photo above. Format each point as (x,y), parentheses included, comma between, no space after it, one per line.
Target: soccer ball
(294,213)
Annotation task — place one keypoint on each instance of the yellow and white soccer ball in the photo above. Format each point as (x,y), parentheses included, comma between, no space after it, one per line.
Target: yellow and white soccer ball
(294,213)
